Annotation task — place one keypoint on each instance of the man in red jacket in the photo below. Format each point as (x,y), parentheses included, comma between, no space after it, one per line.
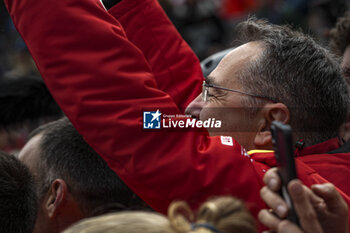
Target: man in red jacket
(106,78)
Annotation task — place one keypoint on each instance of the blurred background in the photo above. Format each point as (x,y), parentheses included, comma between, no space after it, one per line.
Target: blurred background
(207,25)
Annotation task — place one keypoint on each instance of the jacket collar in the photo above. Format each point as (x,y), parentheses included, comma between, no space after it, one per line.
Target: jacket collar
(321,148)
(267,156)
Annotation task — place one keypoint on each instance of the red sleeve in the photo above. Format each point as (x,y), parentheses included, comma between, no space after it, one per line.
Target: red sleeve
(103,82)
(173,63)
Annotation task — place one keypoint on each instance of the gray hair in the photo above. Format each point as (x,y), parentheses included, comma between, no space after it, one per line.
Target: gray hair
(296,71)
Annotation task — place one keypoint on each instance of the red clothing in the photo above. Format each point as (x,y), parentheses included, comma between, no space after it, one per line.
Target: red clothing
(173,64)
(236,8)
(104,77)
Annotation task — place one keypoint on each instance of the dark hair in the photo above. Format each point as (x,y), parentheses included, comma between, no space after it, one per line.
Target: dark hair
(340,35)
(293,69)
(18,203)
(65,155)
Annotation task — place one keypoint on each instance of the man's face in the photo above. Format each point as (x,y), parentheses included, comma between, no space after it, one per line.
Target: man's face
(29,155)
(53,215)
(226,105)
(345,65)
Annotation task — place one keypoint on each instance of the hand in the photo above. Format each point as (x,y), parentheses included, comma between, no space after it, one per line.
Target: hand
(320,210)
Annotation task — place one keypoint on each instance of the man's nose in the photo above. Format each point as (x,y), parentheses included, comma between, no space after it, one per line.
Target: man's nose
(195,107)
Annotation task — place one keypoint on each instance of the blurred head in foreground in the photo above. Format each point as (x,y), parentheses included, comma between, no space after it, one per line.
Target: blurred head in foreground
(18,203)
(219,215)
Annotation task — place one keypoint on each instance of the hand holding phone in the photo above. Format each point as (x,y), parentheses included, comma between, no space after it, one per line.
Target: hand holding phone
(283,147)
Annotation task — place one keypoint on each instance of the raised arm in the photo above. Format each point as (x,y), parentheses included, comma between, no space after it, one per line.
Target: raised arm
(173,63)
(103,83)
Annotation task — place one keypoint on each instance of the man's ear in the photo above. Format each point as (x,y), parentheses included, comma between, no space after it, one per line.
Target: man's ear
(277,112)
(270,112)
(56,196)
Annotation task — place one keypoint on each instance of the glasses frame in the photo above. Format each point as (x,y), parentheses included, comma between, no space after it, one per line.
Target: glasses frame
(206,86)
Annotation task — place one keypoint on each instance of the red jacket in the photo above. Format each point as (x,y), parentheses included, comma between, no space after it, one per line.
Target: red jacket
(103,77)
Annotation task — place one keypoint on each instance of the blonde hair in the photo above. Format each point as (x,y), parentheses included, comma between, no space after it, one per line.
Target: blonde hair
(223,214)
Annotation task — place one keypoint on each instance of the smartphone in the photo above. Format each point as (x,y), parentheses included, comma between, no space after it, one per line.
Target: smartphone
(284,153)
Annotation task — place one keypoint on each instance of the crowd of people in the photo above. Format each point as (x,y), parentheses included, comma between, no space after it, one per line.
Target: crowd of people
(96,167)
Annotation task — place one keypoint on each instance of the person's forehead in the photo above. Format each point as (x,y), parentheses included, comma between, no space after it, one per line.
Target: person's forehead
(30,152)
(234,62)
(346,58)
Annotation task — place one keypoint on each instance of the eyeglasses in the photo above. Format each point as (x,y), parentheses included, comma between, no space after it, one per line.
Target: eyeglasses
(206,86)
